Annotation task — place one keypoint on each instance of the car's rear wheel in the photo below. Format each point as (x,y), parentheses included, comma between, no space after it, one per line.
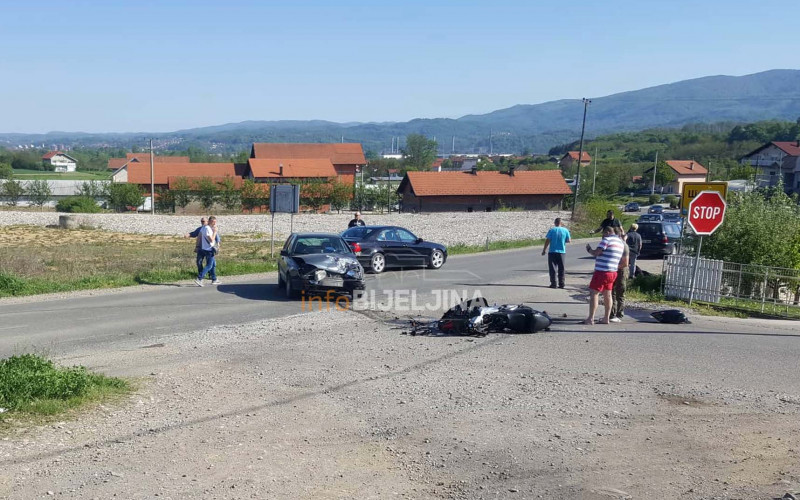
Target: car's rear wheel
(377,263)
(437,259)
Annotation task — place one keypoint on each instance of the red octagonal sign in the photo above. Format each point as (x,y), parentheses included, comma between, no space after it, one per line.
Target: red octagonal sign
(706,212)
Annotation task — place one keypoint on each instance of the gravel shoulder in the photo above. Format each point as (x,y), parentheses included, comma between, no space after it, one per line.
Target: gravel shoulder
(342,404)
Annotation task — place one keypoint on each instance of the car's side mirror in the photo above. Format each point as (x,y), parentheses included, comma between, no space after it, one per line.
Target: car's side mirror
(284,253)
(419,240)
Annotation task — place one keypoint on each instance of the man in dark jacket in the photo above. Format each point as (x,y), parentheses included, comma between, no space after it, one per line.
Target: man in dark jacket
(634,241)
(357,221)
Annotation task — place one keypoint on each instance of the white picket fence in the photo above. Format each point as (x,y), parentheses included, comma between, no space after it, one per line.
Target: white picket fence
(678,271)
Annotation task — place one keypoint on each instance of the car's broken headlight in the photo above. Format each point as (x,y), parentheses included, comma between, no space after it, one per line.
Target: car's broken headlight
(354,271)
(320,274)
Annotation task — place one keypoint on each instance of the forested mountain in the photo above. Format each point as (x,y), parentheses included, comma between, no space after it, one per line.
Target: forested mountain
(771,95)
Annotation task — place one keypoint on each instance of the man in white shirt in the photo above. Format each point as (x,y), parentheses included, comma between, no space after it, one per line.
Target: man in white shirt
(208,236)
(607,256)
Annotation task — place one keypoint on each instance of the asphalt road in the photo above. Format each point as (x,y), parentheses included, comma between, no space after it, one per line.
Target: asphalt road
(62,325)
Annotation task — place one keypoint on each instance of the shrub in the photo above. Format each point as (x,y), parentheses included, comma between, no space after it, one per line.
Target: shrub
(654,198)
(78,205)
(590,213)
(672,200)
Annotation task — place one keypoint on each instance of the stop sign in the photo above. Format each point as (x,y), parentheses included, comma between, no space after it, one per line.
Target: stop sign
(706,212)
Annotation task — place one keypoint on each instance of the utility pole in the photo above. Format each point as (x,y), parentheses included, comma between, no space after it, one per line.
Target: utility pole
(152,182)
(491,150)
(594,174)
(454,145)
(655,166)
(580,157)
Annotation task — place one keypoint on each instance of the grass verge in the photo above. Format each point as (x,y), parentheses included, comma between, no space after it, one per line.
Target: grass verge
(33,386)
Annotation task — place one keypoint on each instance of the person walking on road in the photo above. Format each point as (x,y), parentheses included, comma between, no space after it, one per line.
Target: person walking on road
(208,236)
(357,221)
(556,239)
(199,243)
(607,256)
(634,241)
(620,282)
(609,221)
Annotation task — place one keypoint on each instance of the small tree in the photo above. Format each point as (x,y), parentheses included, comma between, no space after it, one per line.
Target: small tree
(229,196)
(92,189)
(206,192)
(419,152)
(124,195)
(39,192)
(314,195)
(250,195)
(13,191)
(165,201)
(341,194)
(182,192)
(6,172)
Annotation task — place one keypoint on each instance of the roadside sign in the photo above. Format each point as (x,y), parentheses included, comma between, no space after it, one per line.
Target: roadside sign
(692,189)
(706,212)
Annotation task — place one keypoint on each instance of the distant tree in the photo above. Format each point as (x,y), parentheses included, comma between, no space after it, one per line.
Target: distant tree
(206,192)
(39,192)
(241,157)
(252,195)
(92,189)
(315,194)
(229,196)
(182,192)
(341,194)
(122,195)
(13,191)
(165,200)
(6,172)
(420,152)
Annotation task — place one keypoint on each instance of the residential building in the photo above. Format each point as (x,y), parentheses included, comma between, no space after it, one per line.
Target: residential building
(166,174)
(571,157)
(776,161)
(345,157)
(61,162)
(482,191)
(685,171)
(280,171)
(115,163)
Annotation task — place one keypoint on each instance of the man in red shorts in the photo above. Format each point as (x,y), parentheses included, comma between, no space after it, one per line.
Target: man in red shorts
(607,256)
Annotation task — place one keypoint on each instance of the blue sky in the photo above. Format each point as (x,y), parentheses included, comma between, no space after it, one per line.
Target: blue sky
(152,66)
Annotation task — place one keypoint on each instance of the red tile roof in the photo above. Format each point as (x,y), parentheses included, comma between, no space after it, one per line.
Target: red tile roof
(687,167)
(790,148)
(50,154)
(292,167)
(574,156)
(115,163)
(139,173)
(486,183)
(348,153)
(171,180)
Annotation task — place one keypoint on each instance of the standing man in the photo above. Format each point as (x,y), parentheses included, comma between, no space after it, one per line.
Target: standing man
(634,241)
(557,239)
(609,221)
(357,221)
(607,256)
(621,281)
(198,247)
(208,236)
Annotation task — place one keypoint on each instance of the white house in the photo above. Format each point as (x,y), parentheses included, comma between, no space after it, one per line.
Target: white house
(60,162)
(776,161)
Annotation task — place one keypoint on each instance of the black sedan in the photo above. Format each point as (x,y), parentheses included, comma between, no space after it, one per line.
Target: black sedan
(379,247)
(632,207)
(316,263)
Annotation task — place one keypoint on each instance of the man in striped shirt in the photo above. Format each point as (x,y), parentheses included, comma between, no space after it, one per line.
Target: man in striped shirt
(607,256)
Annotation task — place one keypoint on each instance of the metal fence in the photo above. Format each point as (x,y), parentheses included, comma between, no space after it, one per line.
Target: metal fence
(769,290)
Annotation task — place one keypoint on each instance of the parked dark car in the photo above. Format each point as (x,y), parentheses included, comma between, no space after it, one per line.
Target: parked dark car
(318,262)
(659,238)
(632,207)
(650,218)
(672,217)
(379,247)
(655,209)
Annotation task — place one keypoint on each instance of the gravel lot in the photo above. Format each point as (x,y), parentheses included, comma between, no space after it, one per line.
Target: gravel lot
(447,228)
(341,405)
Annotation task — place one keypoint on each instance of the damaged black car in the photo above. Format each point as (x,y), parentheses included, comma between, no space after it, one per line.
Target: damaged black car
(316,263)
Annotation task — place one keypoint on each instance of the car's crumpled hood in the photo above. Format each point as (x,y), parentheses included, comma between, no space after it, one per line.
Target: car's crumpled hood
(333,262)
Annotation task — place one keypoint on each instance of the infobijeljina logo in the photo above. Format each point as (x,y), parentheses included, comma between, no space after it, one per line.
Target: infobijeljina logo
(399,301)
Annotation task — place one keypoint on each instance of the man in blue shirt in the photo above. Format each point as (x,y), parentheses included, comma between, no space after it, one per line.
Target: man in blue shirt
(557,239)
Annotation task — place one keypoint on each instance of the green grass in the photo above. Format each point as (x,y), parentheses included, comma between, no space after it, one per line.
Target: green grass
(30,175)
(34,386)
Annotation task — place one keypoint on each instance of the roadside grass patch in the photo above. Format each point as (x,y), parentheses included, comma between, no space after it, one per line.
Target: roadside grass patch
(51,260)
(461,249)
(33,385)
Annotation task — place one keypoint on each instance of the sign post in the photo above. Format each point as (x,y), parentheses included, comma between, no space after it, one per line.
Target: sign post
(284,198)
(706,214)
